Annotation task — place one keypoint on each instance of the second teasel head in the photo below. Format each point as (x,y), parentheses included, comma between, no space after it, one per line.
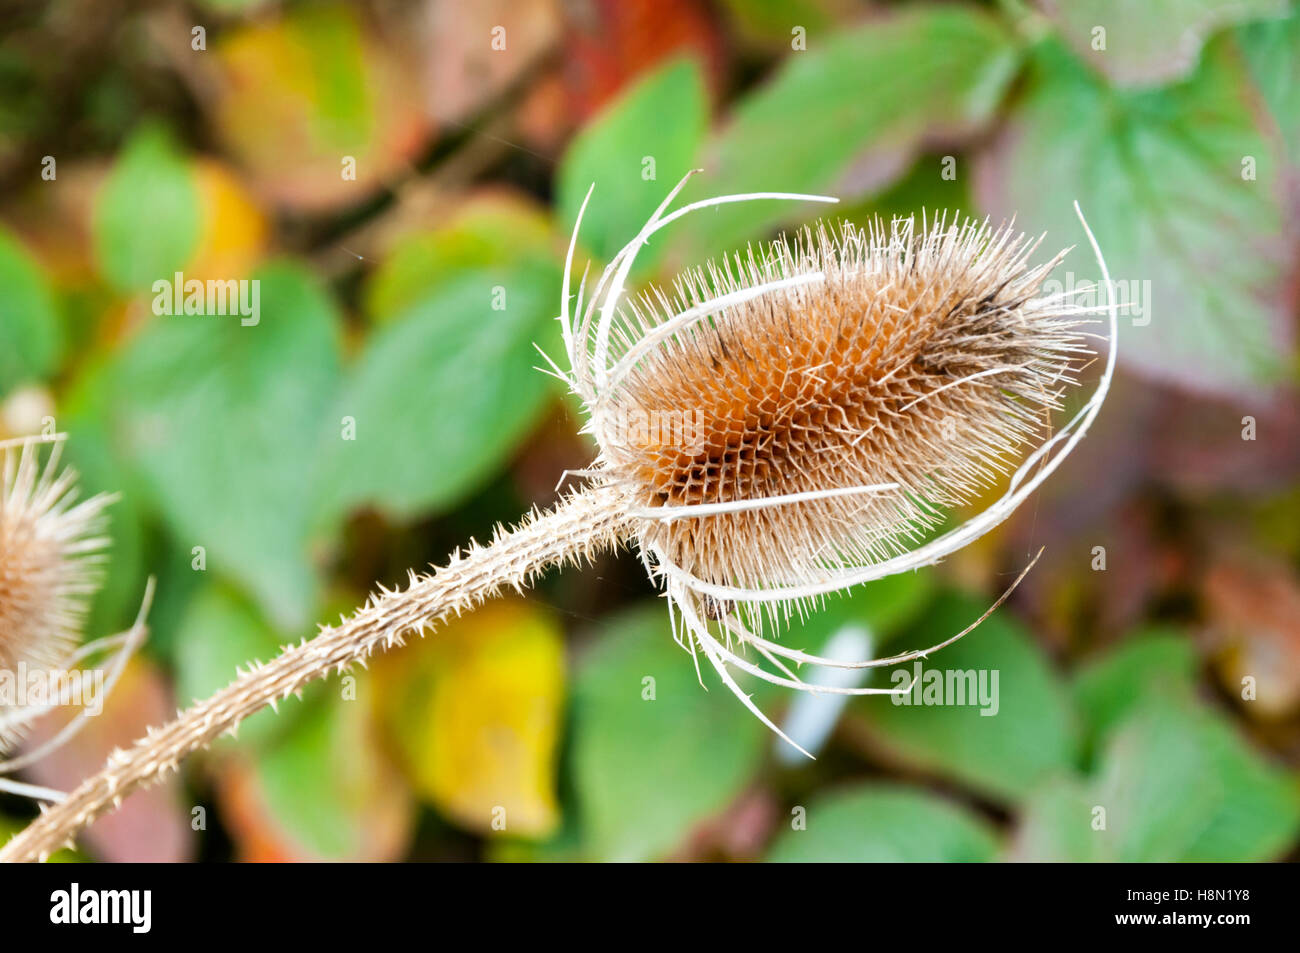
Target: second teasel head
(791,422)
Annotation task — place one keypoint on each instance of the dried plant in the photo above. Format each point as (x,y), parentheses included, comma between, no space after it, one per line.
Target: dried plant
(51,556)
(849,387)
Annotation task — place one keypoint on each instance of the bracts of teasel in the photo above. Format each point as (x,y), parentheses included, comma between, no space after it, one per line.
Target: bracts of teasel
(836,392)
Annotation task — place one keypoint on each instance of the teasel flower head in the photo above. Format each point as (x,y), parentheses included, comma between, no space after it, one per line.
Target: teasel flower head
(52,546)
(798,420)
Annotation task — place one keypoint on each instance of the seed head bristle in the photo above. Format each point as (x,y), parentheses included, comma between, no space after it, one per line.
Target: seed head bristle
(50,564)
(921,358)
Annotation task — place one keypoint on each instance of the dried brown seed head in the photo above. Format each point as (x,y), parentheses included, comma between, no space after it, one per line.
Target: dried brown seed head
(921,358)
(49,566)
(825,400)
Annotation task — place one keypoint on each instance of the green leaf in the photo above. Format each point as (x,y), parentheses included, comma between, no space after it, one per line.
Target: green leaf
(886,823)
(647,771)
(923,189)
(223,422)
(84,413)
(1257,814)
(319,108)
(1272,51)
(847,117)
(1152,42)
(1108,689)
(31,331)
(94,448)
(1029,735)
(774,21)
(333,51)
(1163,179)
(662,119)
(1058,822)
(1176,783)
(443,393)
(327,789)
(1182,785)
(220,634)
(489,233)
(147,214)
(1157,786)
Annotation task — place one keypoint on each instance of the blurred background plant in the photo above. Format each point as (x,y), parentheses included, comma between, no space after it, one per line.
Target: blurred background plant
(401,178)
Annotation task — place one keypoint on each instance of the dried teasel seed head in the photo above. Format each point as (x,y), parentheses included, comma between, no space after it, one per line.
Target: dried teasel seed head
(797,421)
(50,564)
(920,359)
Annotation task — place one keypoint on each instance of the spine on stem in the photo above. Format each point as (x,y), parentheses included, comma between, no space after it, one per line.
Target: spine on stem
(583,524)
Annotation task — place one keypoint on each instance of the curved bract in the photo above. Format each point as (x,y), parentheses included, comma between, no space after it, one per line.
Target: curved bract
(797,420)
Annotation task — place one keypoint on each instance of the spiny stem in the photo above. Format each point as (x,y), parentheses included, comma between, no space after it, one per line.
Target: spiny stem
(583,524)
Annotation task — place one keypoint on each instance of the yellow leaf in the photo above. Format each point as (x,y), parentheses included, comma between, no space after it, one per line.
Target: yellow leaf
(317,107)
(233,231)
(475,707)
